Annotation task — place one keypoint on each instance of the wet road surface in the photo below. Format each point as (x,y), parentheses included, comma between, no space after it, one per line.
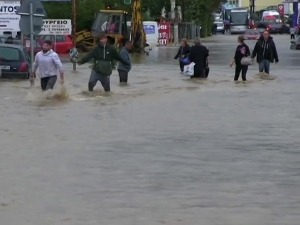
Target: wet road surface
(163,150)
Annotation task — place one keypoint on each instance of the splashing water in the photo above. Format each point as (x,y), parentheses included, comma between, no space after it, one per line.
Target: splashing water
(265,76)
(59,94)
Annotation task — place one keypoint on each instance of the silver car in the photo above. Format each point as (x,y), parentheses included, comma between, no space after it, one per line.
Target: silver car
(220,27)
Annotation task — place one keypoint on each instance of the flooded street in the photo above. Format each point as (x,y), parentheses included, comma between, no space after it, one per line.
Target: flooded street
(164,150)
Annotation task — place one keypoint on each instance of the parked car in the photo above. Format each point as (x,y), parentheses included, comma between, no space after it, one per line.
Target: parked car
(272,27)
(26,44)
(14,62)
(2,39)
(62,44)
(251,34)
(220,27)
(295,44)
(275,28)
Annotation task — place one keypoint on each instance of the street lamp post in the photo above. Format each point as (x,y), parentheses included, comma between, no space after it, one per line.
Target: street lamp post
(252,7)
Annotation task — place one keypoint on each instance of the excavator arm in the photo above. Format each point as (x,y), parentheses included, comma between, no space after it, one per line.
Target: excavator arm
(138,36)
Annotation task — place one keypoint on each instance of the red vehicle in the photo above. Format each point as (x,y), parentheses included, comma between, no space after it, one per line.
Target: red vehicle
(251,34)
(62,44)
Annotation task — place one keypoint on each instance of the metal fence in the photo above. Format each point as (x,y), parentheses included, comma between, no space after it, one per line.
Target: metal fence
(188,30)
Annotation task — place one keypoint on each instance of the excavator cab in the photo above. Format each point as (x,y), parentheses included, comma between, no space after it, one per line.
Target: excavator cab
(114,24)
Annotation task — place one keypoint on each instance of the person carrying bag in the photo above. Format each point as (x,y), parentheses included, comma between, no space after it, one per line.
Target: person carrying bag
(182,54)
(240,59)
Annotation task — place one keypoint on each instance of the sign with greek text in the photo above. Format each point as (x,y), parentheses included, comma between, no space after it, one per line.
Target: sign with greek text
(164,30)
(9,20)
(56,27)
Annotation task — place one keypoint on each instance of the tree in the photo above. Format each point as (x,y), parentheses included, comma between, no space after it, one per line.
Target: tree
(200,11)
(86,11)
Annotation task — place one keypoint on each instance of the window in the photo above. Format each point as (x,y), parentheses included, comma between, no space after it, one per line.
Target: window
(9,54)
(60,38)
(234,2)
(108,23)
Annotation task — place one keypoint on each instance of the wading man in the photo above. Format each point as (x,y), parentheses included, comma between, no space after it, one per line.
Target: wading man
(49,64)
(103,55)
(265,51)
(199,55)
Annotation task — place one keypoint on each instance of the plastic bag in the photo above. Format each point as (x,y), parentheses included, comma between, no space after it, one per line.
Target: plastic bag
(189,69)
(185,61)
(246,61)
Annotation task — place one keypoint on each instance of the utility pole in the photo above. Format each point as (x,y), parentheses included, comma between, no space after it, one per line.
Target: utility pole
(252,7)
(74,16)
(175,33)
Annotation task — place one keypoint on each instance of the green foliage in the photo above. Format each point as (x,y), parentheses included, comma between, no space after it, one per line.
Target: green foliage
(86,11)
(198,11)
(57,10)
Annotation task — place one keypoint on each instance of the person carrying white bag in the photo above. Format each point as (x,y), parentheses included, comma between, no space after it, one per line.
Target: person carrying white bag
(199,57)
(189,69)
(241,59)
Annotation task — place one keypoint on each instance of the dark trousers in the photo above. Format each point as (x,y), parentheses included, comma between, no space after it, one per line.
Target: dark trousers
(95,77)
(123,76)
(48,82)
(199,71)
(181,66)
(292,36)
(238,69)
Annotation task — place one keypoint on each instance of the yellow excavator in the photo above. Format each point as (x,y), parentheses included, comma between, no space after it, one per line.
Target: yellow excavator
(116,24)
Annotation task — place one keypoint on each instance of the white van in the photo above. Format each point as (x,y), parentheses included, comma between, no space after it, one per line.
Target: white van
(151,31)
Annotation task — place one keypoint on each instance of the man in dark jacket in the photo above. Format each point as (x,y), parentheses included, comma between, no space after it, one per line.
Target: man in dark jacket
(265,51)
(199,55)
(124,69)
(105,53)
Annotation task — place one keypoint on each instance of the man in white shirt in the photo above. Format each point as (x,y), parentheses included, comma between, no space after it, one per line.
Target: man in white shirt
(49,64)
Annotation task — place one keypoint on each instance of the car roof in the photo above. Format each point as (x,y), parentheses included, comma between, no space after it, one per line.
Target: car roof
(12,46)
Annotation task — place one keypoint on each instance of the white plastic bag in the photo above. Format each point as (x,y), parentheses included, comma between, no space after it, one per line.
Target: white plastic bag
(247,61)
(189,69)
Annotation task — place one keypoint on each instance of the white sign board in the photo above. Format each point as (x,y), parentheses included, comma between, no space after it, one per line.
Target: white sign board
(9,20)
(56,27)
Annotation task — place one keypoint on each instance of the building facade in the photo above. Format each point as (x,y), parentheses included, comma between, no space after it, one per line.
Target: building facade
(259,4)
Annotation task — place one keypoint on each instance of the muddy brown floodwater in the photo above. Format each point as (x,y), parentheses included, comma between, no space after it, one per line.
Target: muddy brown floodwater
(161,150)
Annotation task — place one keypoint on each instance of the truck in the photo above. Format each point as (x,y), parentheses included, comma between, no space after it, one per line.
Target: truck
(239,20)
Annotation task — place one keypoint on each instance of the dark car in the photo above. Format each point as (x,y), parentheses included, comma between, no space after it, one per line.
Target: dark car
(2,39)
(275,28)
(14,62)
(36,45)
(296,44)
(272,27)
(261,27)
